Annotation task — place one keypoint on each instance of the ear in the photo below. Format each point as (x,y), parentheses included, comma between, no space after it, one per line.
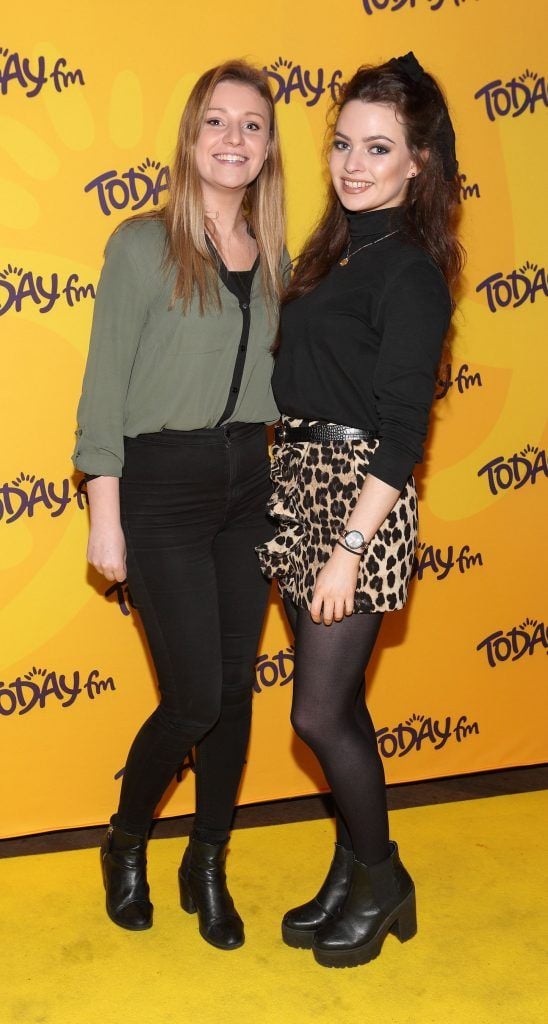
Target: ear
(416,166)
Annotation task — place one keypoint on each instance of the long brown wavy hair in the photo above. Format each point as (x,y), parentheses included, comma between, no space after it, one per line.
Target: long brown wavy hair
(431,203)
(184,215)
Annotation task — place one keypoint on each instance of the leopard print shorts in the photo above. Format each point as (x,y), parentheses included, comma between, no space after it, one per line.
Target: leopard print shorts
(316,486)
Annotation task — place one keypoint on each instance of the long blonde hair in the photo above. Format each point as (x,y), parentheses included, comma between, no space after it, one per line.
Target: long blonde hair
(184,214)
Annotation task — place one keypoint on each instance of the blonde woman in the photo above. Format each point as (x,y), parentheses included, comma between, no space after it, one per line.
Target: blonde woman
(171,434)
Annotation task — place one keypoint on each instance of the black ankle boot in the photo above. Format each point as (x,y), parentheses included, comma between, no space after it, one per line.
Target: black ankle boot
(202,885)
(300,924)
(381,900)
(123,862)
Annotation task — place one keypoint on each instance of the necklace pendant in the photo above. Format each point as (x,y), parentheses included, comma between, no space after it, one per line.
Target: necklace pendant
(345,260)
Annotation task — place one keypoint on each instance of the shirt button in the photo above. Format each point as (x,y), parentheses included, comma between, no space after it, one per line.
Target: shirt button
(242,348)
(234,391)
(244,305)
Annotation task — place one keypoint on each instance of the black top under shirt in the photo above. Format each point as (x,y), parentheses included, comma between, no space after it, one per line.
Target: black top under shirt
(363,347)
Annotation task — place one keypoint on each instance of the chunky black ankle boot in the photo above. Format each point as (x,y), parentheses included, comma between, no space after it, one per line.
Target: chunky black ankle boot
(124,862)
(300,924)
(381,900)
(202,885)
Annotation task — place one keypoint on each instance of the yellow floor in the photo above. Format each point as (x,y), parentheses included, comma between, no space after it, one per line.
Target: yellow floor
(480,957)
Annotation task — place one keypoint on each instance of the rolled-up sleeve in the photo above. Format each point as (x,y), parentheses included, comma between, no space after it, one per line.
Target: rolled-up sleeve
(118,318)
(414,318)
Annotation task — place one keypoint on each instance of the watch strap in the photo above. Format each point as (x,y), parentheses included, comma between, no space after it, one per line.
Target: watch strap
(356,551)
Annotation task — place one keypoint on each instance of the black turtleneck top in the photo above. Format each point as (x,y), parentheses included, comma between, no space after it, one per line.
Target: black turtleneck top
(363,347)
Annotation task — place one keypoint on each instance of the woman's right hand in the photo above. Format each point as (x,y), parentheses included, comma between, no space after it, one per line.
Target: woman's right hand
(107,544)
(107,551)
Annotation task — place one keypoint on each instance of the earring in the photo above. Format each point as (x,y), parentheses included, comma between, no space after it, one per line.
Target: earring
(413,173)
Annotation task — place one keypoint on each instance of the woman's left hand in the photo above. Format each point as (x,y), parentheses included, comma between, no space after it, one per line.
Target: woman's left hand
(335,587)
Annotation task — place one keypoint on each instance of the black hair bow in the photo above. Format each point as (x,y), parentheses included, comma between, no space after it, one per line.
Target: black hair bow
(408,65)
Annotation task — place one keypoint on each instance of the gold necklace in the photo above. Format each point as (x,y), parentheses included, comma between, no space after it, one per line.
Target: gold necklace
(346,259)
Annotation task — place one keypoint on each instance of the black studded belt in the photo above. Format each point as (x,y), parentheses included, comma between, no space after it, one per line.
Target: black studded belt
(321,432)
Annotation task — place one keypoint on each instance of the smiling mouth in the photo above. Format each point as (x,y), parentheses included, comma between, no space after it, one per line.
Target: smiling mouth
(356,186)
(230,158)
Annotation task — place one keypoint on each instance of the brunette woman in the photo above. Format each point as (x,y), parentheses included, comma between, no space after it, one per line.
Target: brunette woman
(362,329)
(172,437)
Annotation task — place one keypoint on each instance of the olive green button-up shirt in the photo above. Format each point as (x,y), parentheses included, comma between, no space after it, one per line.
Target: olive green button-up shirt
(151,367)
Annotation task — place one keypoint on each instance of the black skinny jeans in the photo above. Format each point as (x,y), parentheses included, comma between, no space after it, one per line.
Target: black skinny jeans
(193,509)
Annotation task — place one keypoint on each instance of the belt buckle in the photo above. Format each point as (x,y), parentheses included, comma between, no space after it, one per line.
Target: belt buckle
(280,433)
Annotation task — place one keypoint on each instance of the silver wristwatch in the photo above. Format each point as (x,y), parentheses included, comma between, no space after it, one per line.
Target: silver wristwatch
(353,541)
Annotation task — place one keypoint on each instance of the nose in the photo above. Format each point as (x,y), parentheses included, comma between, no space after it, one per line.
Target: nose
(233,134)
(354,161)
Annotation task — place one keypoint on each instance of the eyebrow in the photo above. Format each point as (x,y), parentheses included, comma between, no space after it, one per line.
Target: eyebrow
(370,138)
(247,113)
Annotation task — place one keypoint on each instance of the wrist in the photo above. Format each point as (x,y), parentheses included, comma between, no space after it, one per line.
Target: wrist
(346,559)
(105,521)
(353,541)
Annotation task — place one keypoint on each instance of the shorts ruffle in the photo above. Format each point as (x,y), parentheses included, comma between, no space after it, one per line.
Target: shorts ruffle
(316,486)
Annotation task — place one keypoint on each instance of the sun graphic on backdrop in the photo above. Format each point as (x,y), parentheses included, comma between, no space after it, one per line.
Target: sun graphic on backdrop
(502,342)
(70,144)
(67,149)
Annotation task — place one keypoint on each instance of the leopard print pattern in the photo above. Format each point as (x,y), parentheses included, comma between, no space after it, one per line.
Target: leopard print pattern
(316,486)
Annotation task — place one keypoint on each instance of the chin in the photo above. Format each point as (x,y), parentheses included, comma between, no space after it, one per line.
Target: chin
(357,204)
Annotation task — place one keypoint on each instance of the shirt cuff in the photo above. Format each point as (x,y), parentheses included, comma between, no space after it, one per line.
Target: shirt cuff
(392,465)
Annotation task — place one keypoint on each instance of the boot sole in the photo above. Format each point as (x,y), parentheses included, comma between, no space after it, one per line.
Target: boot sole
(402,923)
(297,938)
(128,927)
(227,949)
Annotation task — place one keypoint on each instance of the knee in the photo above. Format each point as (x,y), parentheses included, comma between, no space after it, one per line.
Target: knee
(238,695)
(307,726)
(189,728)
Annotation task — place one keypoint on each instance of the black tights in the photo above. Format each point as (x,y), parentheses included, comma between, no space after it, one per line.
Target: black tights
(329,713)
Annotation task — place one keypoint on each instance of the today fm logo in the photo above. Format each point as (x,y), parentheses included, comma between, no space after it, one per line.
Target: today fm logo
(291,79)
(115,190)
(462,380)
(514,289)
(441,561)
(521,94)
(527,638)
(27,494)
(19,287)
(274,670)
(121,593)
(372,6)
(513,472)
(40,687)
(468,190)
(33,74)
(418,730)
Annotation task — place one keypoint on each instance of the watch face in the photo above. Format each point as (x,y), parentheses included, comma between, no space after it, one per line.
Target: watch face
(354,539)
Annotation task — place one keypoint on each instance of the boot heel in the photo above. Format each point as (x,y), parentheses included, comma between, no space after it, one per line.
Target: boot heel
(405,926)
(187,903)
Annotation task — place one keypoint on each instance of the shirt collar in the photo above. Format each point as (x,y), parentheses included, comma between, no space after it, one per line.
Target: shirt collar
(373,223)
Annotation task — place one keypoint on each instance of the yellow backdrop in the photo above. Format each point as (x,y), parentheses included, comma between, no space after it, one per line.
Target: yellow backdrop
(90,97)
